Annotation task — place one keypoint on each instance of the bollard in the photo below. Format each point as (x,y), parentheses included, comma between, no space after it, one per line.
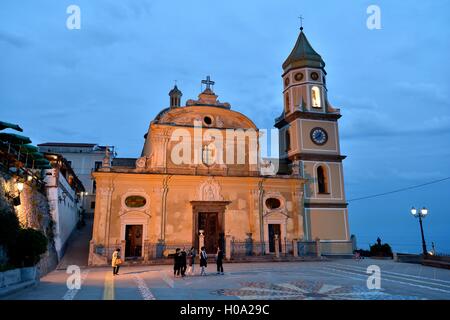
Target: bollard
(277,246)
(295,247)
(318,248)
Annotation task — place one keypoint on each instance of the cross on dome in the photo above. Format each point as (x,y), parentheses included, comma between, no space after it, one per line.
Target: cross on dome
(208,82)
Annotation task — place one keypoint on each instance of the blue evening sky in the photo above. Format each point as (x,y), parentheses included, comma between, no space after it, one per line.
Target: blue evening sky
(106,82)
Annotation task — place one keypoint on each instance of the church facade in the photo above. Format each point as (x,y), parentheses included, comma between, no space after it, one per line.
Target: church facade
(201,178)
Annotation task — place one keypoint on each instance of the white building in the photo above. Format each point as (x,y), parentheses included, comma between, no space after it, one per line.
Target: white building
(84,158)
(64,194)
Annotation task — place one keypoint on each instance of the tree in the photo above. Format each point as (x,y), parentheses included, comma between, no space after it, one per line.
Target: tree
(29,246)
(9,227)
(380,250)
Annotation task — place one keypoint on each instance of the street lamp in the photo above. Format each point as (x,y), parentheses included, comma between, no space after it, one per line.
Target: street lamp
(422,213)
(20,186)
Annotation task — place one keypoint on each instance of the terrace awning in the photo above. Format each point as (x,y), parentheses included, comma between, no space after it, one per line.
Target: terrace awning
(6,125)
(41,162)
(43,166)
(14,138)
(37,155)
(28,148)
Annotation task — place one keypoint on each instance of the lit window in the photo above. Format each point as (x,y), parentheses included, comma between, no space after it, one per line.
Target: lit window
(315,97)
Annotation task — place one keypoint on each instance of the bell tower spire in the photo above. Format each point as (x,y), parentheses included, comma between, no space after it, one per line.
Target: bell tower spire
(309,139)
(175,97)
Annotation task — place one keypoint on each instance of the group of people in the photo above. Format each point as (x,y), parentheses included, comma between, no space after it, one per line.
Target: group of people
(184,263)
(180,262)
(181,259)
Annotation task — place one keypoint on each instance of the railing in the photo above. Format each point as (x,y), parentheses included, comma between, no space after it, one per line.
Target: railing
(247,248)
(442,254)
(307,248)
(336,247)
(238,248)
(162,250)
(105,251)
(287,248)
(151,250)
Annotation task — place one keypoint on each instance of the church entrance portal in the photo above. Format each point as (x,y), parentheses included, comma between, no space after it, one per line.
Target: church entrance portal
(273,230)
(133,238)
(209,223)
(209,216)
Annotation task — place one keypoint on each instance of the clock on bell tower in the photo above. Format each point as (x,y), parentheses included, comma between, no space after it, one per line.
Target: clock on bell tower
(309,139)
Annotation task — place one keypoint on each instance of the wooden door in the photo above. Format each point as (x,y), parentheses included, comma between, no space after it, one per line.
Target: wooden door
(208,221)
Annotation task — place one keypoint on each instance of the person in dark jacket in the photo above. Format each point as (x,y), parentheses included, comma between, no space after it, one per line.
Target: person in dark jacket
(219,261)
(176,263)
(203,261)
(183,257)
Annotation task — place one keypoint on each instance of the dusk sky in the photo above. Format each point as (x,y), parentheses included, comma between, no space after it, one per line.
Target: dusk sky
(105,82)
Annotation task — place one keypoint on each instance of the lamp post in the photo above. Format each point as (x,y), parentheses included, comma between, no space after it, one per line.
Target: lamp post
(20,186)
(422,213)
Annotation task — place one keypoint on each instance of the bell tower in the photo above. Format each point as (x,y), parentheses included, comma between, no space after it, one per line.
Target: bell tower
(175,97)
(309,142)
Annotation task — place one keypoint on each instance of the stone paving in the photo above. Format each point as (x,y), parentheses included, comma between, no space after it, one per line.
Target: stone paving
(335,279)
(78,249)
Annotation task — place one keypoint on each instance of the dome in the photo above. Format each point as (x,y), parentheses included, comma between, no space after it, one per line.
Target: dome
(208,111)
(208,116)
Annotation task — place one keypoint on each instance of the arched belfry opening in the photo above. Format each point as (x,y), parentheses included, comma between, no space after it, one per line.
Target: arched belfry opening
(322,180)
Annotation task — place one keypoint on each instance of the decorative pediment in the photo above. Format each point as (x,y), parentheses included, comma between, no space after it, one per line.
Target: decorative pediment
(210,190)
(280,214)
(275,205)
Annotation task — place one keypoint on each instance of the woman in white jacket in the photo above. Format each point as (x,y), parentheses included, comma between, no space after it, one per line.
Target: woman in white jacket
(116,261)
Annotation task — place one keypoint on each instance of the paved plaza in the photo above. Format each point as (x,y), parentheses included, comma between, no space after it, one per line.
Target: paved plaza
(332,279)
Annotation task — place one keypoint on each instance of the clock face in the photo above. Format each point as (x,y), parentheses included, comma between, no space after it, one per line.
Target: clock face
(319,136)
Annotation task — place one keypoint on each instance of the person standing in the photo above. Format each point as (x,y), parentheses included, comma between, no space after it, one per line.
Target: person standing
(176,263)
(219,261)
(183,262)
(191,261)
(116,261)
(203,261)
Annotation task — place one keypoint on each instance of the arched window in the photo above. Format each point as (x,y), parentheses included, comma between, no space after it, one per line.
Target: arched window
(288,140)
(315,97)
(322,179)
(286,107)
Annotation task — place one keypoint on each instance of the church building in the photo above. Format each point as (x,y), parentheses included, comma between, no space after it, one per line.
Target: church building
(201,179)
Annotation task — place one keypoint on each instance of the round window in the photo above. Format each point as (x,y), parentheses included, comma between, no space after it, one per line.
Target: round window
(273,203)
(314,76)
(207,120)
(135,201)
(298,76)
(286,82)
